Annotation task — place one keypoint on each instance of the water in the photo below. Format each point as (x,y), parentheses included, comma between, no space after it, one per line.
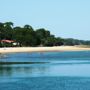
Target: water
(47,70)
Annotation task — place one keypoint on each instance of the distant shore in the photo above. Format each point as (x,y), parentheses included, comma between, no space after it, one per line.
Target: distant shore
(42,49)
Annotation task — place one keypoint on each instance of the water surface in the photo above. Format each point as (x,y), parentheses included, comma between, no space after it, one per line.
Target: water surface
(66,70)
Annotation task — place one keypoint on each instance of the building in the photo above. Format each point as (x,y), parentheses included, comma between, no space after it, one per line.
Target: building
(9,43)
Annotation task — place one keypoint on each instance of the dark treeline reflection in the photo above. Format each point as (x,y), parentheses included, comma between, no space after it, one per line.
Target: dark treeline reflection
(5,70)
(46,64)
(17,70)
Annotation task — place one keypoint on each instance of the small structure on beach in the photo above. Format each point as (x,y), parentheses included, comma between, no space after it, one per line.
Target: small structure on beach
(8,43)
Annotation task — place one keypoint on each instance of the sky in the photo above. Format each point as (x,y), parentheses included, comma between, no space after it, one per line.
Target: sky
(63,18)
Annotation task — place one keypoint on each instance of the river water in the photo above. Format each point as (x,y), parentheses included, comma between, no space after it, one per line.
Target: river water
(45,71)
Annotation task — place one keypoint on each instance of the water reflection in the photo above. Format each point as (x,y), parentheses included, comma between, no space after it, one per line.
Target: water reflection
(2,56)
(82,70)
(50,64)
(5,70)
(22,71)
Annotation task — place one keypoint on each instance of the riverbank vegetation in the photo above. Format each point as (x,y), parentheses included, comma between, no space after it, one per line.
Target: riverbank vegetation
(28,36)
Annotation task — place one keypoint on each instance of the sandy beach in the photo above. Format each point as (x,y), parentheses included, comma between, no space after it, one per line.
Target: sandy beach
(42,49)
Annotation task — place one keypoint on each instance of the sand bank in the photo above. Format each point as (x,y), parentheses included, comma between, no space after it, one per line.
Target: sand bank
(42,49)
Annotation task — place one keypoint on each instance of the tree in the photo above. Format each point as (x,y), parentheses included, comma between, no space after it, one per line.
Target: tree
(8,30)
(1,31)
(42,35)
(28,27)
(8,24)
(27,36)
(50,41)
(59,41)
(69,41)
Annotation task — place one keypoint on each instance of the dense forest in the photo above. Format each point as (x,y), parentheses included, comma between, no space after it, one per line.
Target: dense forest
(27,36)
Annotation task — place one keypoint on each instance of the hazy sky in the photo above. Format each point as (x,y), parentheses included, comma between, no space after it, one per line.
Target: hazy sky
(64,18)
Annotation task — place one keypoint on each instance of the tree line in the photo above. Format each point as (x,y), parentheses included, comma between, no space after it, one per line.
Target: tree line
(27,36)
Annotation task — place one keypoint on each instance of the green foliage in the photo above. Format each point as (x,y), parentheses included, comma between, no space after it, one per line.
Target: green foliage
(1,44)
(50,41)
(6,30)
(59,41)
(42,35)
(27,36)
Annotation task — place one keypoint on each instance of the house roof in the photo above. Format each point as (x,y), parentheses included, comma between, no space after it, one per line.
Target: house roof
(7,41)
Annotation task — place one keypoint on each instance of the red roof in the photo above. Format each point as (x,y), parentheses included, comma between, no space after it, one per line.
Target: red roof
(8,41)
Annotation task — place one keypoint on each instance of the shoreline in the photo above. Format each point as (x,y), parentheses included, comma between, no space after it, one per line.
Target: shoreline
(42,49)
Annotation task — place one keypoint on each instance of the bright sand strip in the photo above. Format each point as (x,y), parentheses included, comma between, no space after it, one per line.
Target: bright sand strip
(42,49)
